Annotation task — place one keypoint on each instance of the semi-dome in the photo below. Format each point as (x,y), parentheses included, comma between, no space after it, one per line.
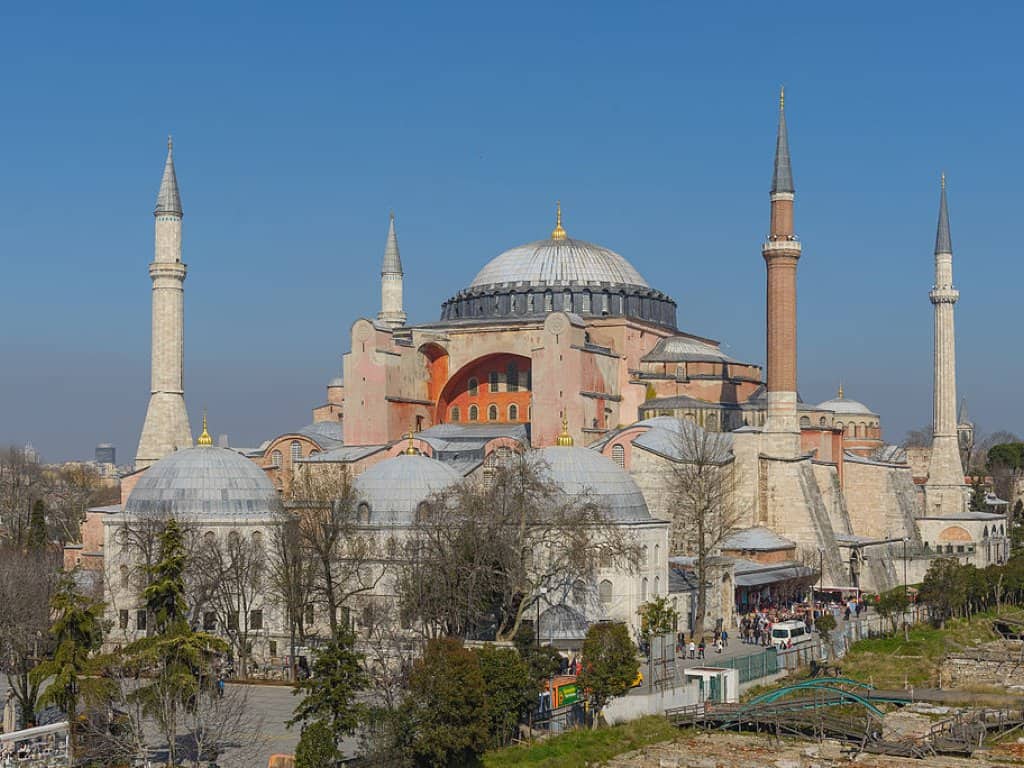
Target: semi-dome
(202,483)
(394,488)
(558,262)
(580,471)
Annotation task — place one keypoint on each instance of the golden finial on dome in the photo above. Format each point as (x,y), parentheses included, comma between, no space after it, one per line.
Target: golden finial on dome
(840,391)
(204,438)
(558,233)
(411,449)
(564,439)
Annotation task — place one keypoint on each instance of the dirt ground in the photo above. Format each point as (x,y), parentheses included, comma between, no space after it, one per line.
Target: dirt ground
(728,750)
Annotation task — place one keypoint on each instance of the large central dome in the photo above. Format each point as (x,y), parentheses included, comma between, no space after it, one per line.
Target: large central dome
(558,274)
(558,262)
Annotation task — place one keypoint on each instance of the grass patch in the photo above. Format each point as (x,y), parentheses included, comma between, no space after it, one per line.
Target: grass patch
(889,662)
(577,749)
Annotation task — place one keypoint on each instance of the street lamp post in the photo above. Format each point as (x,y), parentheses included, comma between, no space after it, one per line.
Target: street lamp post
(536,630)
(906,630)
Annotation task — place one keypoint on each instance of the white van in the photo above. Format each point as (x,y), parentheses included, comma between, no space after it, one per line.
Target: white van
(786,632)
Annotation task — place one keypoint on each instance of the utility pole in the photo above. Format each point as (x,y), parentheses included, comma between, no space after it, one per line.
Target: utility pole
(906,592)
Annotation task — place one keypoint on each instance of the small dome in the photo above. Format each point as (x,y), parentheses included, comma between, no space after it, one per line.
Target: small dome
(203,482)
(395,487)
(846,406)
(579,471)
(337,381)
(558,262)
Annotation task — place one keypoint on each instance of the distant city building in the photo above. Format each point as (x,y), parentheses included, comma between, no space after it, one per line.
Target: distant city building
(106,454)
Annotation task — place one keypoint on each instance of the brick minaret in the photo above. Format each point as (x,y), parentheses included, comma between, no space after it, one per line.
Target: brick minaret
(391,277)
(166,428)
(945,491)
(781,253)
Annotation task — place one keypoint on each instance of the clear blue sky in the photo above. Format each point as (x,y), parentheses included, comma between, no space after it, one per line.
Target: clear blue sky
(298,126)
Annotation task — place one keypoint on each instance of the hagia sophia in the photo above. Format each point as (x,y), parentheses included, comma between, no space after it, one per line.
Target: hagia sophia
(561,348)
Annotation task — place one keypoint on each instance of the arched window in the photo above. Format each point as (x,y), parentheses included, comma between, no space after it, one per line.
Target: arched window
(275,458)
(645,555)
(257,539)
(805,421)
(492,381)
(492,412)
(513,412)
(657,585)
(619,455)
(363,511)
(474,387)
(313,452)
(643,590)
(548,301)
(209,537)
(296,450)
(585,302)
(657,554)
(455,413)
(567,301)
(985,534)
(529,302)
(512,377)
(711,422)
(422,512)
(839,426)
(474,413)
(605,559)
(822,422)
(233,537)
(604,593)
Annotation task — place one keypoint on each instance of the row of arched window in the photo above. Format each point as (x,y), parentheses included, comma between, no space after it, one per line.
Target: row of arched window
(494,381)
(296,454)
(852,429)
(455,414)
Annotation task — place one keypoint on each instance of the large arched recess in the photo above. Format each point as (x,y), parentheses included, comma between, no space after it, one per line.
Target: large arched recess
(435,363)
(511,398)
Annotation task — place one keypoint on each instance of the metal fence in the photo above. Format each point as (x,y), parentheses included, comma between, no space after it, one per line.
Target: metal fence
(753,667)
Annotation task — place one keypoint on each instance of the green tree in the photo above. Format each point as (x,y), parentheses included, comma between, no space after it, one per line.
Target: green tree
(37,538)
(1009,455)
(944,589)
(447,707)
(511,690)
(318,746)
(78,629)
(609,663)
(657,617)
(177,660)
(978,494)
(1017,528)
(826,625)
(330,693)
(892,604)
(542,660)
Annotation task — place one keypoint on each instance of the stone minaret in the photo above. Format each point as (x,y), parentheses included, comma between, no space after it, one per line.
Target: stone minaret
(391,277)
(166,428)
(781,253)
(945,490)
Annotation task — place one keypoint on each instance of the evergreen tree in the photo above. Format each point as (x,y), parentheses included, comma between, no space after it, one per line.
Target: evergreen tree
(447,707)
(317,747)
(78,629)
(510,688)
(179,661)
(978,495)
(609,663)
(329,695)
(37,537)
(657,617)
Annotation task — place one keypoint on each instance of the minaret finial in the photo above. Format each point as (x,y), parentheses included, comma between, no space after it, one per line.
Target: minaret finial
(782,98)
(411,448)
(564,439)
(170,142)
(558,233)
(840,390)
(942,180)
(204,438)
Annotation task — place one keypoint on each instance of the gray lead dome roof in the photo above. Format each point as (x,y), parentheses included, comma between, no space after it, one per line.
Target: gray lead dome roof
(203,482)
(558,262)
(394,488)
(584,472)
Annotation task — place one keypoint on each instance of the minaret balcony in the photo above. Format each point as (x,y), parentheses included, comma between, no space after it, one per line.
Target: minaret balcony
(781,246)
(944,295)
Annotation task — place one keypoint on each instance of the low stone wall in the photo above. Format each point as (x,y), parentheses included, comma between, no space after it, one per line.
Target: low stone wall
(998,664)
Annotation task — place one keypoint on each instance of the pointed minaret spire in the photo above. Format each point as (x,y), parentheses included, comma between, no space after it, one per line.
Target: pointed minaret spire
(391,279)
(942,241)
(392,258)
(168,200)
(782,178)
